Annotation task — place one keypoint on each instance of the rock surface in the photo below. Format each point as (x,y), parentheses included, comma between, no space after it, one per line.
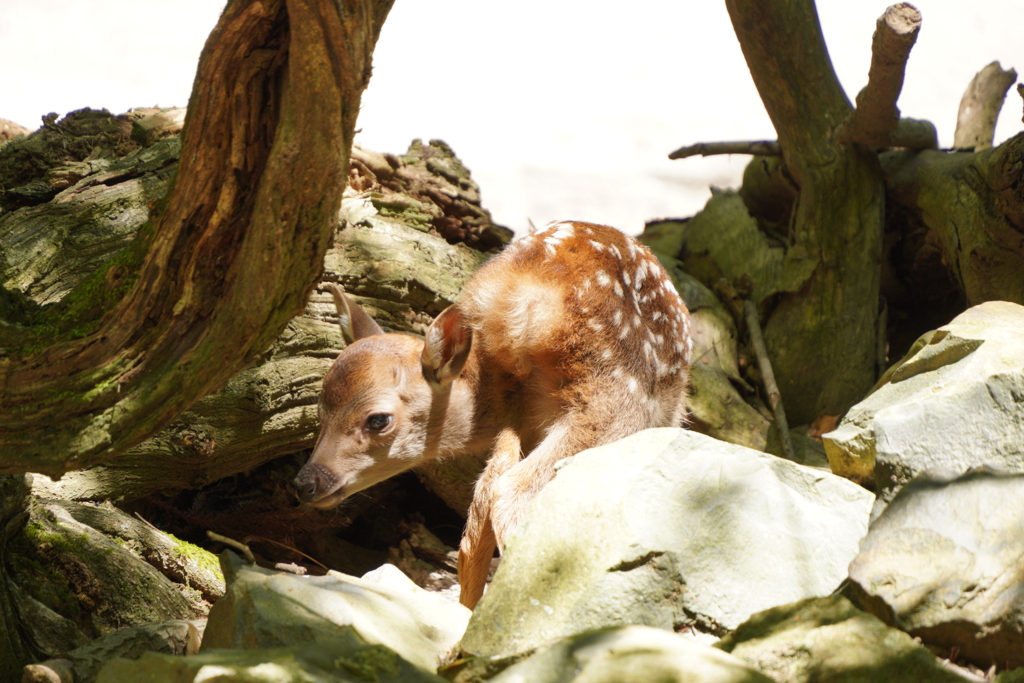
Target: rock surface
(269,609)
(955,402)
(945,562)
(828,640)
(630,653)
(672,529)
(323,663)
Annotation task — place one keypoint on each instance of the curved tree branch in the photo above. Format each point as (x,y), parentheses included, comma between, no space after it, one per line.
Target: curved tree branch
(979,108)
(231,255)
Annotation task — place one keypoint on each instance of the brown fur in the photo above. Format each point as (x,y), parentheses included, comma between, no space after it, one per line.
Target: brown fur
(572,338)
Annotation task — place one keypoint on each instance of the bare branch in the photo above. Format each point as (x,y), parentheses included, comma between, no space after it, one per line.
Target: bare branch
(764,148)
(979,108)
(875,120)
(768,377)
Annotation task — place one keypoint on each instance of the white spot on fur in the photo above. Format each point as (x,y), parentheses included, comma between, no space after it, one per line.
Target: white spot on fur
(616,251)
(595,325)
(617,287)
(625,278)
(606,354)
(617,317)
(549,249)
(597,245)
(640,275)
(636,321)
(632,384)
(602,278)
(566,230)
(624,332)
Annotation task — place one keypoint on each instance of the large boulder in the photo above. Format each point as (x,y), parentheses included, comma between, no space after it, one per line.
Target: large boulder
(943,562)
(956,401)
(630,653)
(270,609)
(321,662)
(828,640)
(672,529)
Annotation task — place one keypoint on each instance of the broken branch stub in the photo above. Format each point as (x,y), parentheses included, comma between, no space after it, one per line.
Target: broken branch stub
(979,108)
(875,120)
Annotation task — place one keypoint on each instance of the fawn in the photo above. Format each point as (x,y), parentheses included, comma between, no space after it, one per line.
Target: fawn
(571,338)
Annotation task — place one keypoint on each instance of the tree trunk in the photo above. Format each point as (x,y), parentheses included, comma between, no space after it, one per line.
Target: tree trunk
(228,259)
(821,331)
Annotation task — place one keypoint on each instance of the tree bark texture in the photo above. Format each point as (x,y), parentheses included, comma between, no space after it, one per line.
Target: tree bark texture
(230,256)
(962,223)
(821,330)
(400,248)
(71,573)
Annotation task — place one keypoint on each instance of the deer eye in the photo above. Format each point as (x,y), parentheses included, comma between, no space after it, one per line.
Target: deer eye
(378,422)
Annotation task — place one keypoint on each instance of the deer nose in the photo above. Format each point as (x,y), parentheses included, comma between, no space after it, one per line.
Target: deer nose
(307,483)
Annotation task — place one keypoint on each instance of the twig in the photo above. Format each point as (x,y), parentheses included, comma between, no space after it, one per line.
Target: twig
(768,375)
(979,108)
(1020,91)
(237,545)
(876,117)
(288,547)
(763,148)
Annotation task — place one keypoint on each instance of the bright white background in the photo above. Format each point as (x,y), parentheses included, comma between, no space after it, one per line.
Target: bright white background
(560,109)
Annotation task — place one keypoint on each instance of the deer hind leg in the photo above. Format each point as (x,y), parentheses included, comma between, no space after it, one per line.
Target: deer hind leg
(478,540)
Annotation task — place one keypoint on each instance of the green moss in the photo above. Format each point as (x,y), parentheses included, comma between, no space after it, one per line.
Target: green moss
(368,663)
(200,556)
(80,312)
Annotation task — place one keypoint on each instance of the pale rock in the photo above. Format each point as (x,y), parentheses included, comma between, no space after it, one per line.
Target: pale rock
(828,640)
(671,529)
(265,609)
(630,653)
(955,402)
(322,662)
(945,562)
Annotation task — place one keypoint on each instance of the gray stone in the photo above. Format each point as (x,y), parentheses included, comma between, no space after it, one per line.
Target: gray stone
(828,640)
(943,562)
(955,402)
(630,653)
(322,662)
(267,609)
(672,529)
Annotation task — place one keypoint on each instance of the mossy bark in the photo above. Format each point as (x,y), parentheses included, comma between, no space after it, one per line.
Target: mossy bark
(822,335)
(232,253)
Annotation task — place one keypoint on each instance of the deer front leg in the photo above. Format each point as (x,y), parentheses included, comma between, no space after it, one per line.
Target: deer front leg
(570,434)
(478,540)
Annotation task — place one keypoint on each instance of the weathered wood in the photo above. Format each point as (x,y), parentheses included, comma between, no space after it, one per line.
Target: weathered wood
(979,107)
(962,221)
(821,336)
(71,573)
(876,118)
(386,253)
(232,253)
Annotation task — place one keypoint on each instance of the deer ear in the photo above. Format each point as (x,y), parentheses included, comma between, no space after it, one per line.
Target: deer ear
(446,347)
(355,322)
